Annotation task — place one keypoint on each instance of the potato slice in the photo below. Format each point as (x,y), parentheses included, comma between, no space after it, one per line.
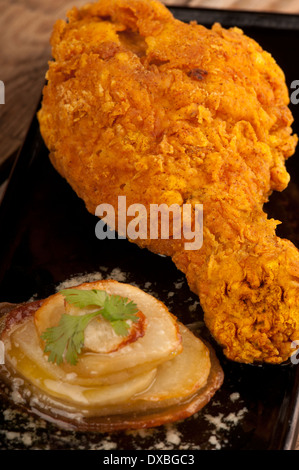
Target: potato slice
(176,381)
(40,376)
(161,342)
(24,351)
(172,383)
(99,335)
(182,376)
(102,395)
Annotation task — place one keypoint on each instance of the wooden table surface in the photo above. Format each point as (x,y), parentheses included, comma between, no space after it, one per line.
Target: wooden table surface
(25,27)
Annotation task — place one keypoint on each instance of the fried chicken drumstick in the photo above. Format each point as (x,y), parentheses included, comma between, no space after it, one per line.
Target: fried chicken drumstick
(140,104)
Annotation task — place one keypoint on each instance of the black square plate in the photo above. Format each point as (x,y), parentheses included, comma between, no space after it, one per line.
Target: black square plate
(47,237)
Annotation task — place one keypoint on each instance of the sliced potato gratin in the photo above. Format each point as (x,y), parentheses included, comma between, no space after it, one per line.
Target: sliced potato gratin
(156,373)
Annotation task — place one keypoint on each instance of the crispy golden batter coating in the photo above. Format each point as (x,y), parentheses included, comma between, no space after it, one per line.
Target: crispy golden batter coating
(142,105)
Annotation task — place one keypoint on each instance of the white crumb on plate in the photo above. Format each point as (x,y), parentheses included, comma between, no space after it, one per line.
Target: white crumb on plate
(178,284)
(194,306)
(79,279)
(221,424)
(104,445)
(234,396)
(215,442)
(173,436)
(118,275)
(217,421)
(235,418)
(25,438)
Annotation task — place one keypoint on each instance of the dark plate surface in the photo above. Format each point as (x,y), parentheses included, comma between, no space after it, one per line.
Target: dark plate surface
(47,237)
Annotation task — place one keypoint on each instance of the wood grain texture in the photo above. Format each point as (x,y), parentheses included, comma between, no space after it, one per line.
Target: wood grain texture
(282,6)
(25,28)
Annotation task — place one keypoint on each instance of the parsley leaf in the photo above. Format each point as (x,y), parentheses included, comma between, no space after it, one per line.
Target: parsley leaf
(67,336)
(66,340)
(84,298)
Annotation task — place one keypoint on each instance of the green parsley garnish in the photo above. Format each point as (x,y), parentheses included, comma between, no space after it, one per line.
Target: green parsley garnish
(66,340)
